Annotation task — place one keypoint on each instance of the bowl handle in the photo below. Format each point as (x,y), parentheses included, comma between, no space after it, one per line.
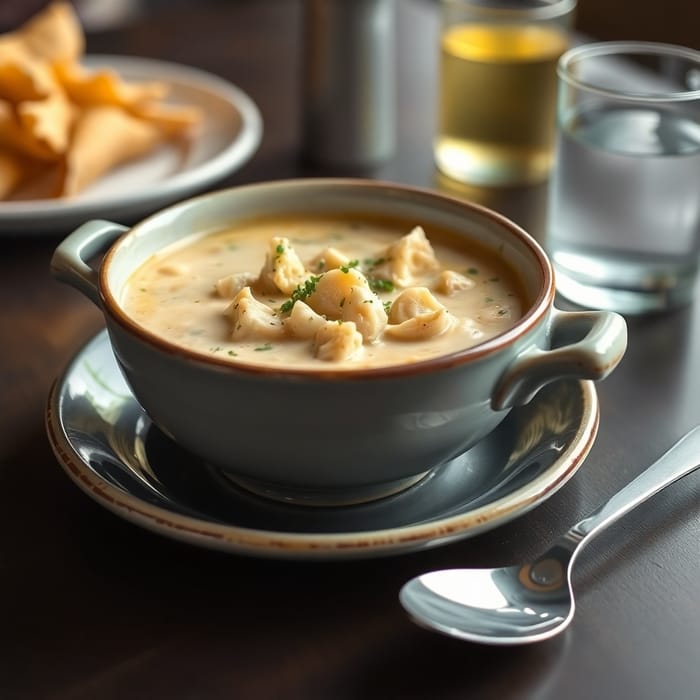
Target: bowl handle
(70,261)
(585,345)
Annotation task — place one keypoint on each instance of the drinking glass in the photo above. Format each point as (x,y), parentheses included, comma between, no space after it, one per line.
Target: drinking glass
(623,227)
(498,87)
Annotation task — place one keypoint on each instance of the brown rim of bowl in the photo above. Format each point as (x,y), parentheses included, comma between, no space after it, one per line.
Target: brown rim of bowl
(538,308)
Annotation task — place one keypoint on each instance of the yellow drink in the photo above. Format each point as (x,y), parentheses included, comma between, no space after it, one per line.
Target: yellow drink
(497,102)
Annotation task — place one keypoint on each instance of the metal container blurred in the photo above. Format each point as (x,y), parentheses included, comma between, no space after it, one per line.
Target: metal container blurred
(349,86)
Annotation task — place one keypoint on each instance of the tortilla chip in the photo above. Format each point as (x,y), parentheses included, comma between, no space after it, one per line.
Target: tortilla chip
(103,138)
(61,125)
(12,173)
(48,121)
(15,137)
(21,76)
(54,34)
(170,119)
(105,87)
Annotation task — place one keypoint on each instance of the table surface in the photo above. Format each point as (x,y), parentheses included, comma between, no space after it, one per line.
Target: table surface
(95,607)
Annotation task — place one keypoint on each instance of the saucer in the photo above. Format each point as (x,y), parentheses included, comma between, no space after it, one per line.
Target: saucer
(108,446)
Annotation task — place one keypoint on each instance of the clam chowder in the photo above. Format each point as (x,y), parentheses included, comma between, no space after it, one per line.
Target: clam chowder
(324,293)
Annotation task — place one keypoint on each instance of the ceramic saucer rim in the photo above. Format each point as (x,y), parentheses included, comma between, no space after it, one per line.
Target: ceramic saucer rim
(274,544)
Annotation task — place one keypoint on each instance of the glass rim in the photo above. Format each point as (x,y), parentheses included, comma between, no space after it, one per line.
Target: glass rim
(629,48)
(552,10)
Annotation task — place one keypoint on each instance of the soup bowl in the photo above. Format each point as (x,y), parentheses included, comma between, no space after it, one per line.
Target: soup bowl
(324,436)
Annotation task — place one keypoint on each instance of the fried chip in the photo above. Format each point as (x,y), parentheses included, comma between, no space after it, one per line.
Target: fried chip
(54,35)
(49,121)
(62,126)
(23,77)
(14,136)
(170,119)
(105,87)
(91,154)
(11,173)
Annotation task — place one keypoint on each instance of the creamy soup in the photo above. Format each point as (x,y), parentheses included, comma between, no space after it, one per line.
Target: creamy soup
(324,293)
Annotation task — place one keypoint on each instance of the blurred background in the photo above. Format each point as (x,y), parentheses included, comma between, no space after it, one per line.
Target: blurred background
(672,21)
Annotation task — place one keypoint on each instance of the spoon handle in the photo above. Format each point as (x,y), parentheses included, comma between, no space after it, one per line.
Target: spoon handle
(681,459)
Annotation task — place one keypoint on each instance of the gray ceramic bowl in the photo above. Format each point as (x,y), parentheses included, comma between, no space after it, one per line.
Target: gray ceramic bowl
(319,437)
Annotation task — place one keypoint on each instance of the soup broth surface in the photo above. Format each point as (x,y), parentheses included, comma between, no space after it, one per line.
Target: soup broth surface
(355,293)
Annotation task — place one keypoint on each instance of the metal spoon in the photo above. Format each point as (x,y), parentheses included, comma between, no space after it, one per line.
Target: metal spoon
(532,602)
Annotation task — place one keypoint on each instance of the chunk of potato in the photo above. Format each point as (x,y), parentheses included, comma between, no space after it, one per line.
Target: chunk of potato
(420,327)
(333,288)
(251,319)
(450,282)
(335,342)
(303,321)
(328,259)
(410,258)
(413,302)
(366,310)
(228,287)
(283,270)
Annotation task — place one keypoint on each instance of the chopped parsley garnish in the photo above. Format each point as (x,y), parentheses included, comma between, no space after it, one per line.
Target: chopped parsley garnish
(472,271)
(233,353)
(352,263)
(280,249)
(387,307)
(300,293)
(263,348)
(371,263)
(381,285)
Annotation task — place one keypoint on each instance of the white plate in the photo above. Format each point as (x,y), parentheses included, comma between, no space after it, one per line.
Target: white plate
(228,136)
(108,446)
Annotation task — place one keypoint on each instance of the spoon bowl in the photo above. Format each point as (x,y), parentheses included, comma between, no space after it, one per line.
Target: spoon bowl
(534,601)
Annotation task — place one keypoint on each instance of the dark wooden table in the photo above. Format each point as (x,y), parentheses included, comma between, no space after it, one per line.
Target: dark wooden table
(94,607)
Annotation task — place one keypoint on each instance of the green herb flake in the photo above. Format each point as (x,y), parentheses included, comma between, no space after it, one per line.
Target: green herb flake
(233,353)
(351,264)
(381,285)
(387,307)
(301,292)
(371,263)
(280,249)
(263,348)
(472,271)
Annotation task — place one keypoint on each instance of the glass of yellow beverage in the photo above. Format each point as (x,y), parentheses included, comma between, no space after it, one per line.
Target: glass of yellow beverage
(498,88)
